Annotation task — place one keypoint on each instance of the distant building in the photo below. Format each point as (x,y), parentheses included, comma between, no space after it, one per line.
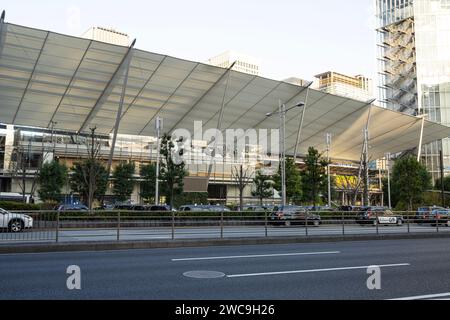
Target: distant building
(107,35)
(414,65)
(355,87)
(244,63)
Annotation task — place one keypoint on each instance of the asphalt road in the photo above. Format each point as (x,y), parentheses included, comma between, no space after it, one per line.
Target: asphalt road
(74,235)
(409,268)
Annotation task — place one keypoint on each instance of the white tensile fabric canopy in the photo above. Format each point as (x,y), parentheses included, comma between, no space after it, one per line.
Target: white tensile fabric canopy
(47,77)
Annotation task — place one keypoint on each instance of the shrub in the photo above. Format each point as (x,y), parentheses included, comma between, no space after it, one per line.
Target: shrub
(19,206)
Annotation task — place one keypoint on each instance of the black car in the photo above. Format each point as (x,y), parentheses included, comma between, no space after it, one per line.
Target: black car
(291,215)
(158,208)
(125,207)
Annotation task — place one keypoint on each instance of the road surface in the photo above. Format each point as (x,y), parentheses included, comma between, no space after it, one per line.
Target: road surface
(409,268)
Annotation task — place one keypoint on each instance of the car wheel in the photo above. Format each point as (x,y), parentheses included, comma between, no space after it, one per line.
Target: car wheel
(400,222)
(287,223)
(15,226)
(316,223)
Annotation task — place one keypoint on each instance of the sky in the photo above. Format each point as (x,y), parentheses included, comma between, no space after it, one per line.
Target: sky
(292,38)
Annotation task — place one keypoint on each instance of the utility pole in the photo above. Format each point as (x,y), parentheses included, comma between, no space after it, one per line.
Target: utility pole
(282,114)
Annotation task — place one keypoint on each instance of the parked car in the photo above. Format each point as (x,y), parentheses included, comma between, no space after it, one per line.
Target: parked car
(439,216)
(204,208)
(72,207)
(378,216)
(289,215)
(322,209)
(15,222)
(257,208)
(351,208)
(431,214)
(106,206)
(124,207)
(158,208)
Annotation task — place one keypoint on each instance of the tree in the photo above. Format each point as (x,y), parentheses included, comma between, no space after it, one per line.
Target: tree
(148,176)
(438,185)
(89,179)
(314,177)
(123,177)
(410,179)
(172,171)
(293,181)
(26,163)
(241,177)
(51,178)
(263,187)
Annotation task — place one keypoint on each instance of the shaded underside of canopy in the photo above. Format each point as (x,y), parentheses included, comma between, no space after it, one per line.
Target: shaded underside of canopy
(47,77)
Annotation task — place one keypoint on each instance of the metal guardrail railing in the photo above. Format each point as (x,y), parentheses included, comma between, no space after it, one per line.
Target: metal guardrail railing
(53,226)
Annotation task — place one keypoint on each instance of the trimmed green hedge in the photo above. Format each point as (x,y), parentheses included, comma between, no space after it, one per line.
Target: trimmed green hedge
(20,206)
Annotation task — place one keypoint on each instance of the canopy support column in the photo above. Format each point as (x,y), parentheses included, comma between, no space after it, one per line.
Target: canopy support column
(219,122)
(419,151)
(300,125)
(2,21)
(119,110)
(366,160)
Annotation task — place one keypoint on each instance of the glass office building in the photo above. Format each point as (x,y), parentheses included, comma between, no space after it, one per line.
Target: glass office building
(414,65)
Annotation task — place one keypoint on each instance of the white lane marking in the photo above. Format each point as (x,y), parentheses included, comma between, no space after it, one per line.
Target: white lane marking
(258,256)
(429,296)
(314,270)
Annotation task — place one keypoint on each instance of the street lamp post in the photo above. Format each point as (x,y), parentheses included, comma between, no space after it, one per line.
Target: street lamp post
(282,113)
(329,168)
(53,124)
(388,158)
(159,127)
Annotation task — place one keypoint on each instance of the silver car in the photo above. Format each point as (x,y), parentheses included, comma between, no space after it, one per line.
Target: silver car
(15,222)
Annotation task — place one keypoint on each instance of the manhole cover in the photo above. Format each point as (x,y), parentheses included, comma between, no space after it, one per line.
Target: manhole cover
(204,274)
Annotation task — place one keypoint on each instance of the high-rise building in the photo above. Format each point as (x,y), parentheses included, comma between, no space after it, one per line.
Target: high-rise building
(357,87)
(414,65)
(107,35)
(244,63)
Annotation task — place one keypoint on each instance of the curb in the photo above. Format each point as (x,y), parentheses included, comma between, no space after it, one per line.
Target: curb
(131,245)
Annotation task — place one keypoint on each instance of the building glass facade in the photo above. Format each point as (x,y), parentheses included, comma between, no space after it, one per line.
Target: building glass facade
(414,65)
